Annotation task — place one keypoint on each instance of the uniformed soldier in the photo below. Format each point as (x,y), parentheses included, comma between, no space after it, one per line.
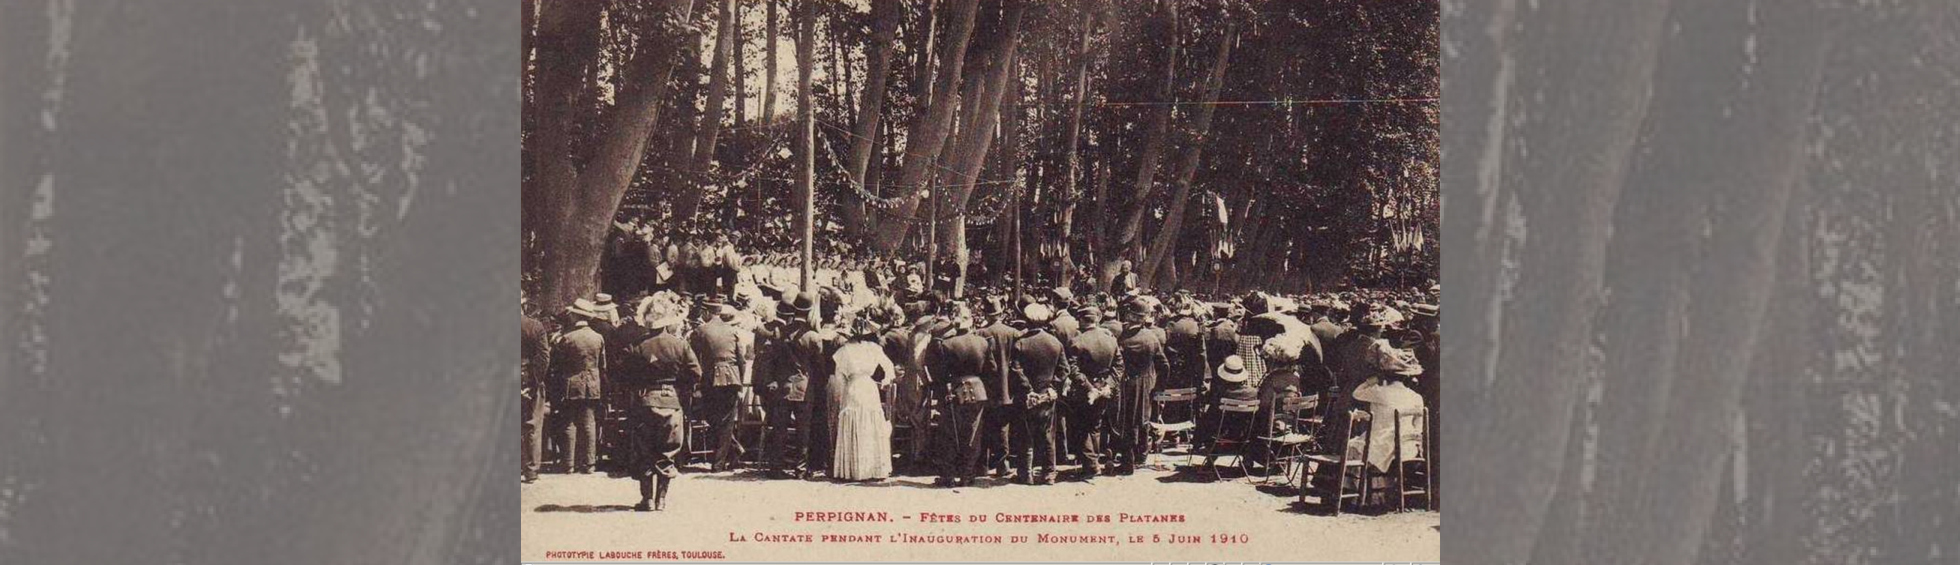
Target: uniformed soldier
(957,361)
(662,371)
(718,344)
(578,360)
(1143,362)
(1093,365)
(1037,358)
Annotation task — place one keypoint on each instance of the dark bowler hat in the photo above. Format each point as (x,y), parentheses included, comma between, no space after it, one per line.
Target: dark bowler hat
(802,302)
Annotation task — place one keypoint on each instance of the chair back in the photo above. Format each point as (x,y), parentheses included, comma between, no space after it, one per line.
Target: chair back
(1235,420)
(1175,405)
(1175,395)
(1411,434)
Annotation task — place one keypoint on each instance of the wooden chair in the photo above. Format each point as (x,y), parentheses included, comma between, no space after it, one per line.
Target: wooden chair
(1417,482)
(1331,471)
(700,441)
(1181,401)
(1236,419)
(1290,432)
(753,429)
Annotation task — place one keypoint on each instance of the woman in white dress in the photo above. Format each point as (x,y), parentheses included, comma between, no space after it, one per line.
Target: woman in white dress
(864,448)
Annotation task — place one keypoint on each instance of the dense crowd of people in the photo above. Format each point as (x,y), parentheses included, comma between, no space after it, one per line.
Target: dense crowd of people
(876,365)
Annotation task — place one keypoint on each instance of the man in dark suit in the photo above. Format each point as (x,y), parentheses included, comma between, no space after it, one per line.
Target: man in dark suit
(718,344)
(663,370)
(782,386)
(578,359)
(1037,358)
(1185,345)
(1144,361)
(1006,407)
(1094,363)
(811,347)
(957,361)
(537,361)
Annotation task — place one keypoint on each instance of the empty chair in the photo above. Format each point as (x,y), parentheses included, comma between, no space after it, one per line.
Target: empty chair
(1290,432)
(1176,416)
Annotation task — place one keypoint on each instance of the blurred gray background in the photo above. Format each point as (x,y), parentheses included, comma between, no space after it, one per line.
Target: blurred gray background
(258,279)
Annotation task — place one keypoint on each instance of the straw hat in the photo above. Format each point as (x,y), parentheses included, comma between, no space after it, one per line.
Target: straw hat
(1233,370)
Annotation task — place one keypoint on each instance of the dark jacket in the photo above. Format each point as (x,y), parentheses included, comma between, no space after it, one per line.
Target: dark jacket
(1000,345)
(669,372)
(1094,355)
(537,357)
(811,350)
(775,363)
(1185,345)
(957,364)
(719,347)
(578,358)
(1065,327)
(1143,354)
(1037,356)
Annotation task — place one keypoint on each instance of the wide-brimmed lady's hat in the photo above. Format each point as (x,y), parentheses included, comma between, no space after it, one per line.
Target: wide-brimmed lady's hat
(1284,348)
(1233,370)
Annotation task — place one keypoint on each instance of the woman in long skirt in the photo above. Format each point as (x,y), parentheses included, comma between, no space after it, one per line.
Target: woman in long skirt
(864,449)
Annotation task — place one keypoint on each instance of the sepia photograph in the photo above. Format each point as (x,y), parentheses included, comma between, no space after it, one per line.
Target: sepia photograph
(959,280)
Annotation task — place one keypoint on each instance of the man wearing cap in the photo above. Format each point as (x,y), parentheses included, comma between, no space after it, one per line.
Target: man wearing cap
(578,359)
(1144,361)
(957,361)
(718,344)
(1093,362)
(657,372)
(1036,360)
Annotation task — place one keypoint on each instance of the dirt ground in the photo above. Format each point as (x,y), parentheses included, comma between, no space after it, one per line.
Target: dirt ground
(590,515)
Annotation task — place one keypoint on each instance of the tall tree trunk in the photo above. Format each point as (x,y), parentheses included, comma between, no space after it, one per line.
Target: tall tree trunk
(1073,150)
(1129,240)
(927,136)
(769,78)
(740,67)
(1187,167)
(884,28)
(689,201)
(575,237)
(983,124)
(566,45)
(923,52)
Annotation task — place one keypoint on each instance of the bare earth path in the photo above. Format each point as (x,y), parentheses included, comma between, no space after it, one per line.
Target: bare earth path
(590,513)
